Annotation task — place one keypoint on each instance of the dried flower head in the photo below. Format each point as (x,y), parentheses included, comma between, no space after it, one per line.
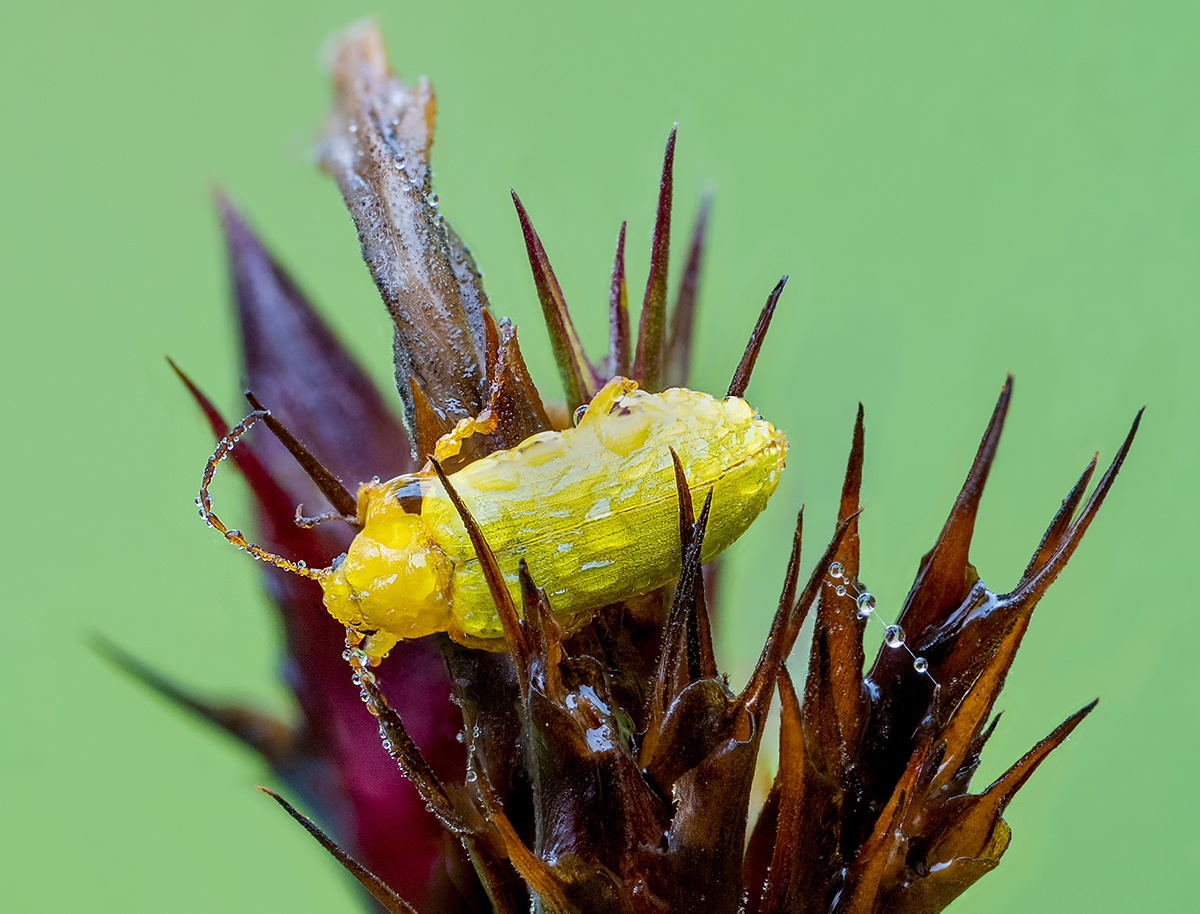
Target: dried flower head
(592,760)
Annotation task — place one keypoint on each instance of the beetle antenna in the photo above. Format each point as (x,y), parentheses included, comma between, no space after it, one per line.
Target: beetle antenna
(204,501)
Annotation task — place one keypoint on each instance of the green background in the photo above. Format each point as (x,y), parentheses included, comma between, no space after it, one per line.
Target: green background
(957,189)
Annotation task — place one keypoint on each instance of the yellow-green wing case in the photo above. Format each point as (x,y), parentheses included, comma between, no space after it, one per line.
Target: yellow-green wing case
(593,509)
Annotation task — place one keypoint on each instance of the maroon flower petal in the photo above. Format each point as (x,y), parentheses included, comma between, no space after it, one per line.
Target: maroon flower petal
(312,385)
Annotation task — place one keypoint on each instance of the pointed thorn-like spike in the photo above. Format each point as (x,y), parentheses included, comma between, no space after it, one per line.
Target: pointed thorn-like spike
(331,487)
(407,755)
(579,381)
(491,348)
(852,486)
(741,377)
(676,661)
(788,833)
(991,728)
(692,561)
(813,587)
(701,658)
(518,646)
(701,654)
(1005,787)
(545,635)
(618,314)
(648,361)
(756,695)
(379,890)
(1061,522)
(215,420)
(969,825)
(427,425)
(687,519)
(274,740)
(691,583)
(529,603)
(683,315)
(701,634)
(835,703)
(942,581)
(1033,588)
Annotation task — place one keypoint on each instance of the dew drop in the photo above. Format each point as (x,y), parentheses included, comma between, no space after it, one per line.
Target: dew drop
(894,636)
(835,570)
(399,162)
(920,664)
(866,604)
(579,413)
(840,590)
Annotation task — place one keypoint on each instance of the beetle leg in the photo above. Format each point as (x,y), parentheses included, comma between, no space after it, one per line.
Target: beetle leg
(303,520)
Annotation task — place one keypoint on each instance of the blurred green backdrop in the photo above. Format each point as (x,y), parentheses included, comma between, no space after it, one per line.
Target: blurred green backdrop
(957,190)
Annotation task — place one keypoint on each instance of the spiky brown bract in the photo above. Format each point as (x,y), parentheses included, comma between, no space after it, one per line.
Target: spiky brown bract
(611,770)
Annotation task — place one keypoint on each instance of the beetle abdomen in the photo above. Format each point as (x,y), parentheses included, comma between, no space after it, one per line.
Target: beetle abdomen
(593,509)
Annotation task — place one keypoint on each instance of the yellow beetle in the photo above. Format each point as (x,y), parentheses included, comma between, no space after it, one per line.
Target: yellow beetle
(592,509)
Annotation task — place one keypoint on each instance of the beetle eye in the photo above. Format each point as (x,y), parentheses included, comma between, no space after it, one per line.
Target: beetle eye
(409,496)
